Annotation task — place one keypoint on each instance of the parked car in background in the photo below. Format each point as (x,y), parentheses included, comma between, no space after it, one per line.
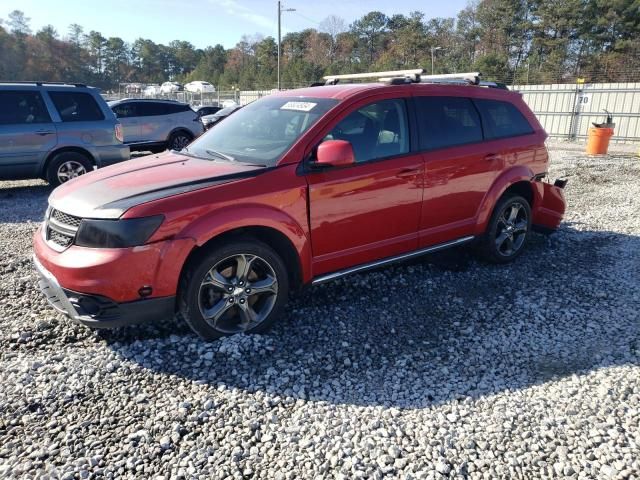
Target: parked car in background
(209,121)
(151,90)
(133,88)
(298,188)
(156,125)
(207,110)
(199,87)
(56,131)
(170,87)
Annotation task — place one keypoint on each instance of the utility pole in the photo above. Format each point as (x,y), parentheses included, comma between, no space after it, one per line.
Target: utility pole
(433,49)
(280,10)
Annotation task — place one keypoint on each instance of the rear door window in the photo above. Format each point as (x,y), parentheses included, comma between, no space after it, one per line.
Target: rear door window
(177,108)
(447,122)
(22,107)
(76,106)
(152,109)
(502,119)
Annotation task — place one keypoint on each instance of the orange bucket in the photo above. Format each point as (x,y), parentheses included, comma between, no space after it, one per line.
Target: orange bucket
(598,142)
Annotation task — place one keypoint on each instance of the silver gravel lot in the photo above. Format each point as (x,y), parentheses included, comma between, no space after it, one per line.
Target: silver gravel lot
(444,367)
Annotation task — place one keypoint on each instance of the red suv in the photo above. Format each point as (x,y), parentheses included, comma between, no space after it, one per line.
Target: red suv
(297,188)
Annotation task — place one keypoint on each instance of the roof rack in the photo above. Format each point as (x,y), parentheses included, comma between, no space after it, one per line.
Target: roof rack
(39,84)
(417,75)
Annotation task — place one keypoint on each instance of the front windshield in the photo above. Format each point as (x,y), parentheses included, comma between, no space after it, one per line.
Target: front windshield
(261,132)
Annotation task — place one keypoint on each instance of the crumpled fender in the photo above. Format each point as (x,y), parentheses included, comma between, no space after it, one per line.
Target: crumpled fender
(253,215)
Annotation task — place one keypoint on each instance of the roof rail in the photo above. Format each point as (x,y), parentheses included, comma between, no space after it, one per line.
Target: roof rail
(411,74)
(472,78)
(39,84)
(417,75)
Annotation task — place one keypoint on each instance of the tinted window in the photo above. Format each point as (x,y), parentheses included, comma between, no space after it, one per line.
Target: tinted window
(177,108)
(126,110)
(76,106)
(378,130)
(150,109)
(502,119)
(22,107)
(447,121)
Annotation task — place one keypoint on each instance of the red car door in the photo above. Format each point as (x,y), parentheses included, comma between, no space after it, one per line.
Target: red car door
(369,210)
(459,167)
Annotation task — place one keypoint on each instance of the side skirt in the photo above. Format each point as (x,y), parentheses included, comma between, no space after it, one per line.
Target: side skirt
(379,263)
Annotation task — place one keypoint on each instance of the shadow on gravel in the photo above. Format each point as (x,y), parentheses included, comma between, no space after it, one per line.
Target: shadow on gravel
(32,196)
(428,332)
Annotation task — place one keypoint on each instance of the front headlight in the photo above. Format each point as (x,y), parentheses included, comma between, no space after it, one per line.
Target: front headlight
(124,233)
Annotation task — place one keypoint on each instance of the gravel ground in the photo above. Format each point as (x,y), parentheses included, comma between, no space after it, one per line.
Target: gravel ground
(433,369)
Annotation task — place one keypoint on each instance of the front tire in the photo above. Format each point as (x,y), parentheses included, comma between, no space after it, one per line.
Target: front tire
(240,287)
(66,166)
(508,230)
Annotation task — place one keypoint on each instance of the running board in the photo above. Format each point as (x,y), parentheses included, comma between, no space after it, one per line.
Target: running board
(379,263)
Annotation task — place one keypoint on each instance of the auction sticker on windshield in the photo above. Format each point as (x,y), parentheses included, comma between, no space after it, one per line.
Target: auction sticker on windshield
(300,106)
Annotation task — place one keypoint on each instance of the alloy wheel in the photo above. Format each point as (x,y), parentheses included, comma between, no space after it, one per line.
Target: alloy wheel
(180,142)
(69,170)
(511,229)
(238,293)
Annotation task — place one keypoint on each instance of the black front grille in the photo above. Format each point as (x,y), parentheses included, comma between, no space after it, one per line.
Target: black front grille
(65,218)
(61,228)
(59,239)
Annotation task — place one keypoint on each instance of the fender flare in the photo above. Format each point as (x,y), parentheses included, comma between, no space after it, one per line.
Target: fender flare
(505,180)
(237,217)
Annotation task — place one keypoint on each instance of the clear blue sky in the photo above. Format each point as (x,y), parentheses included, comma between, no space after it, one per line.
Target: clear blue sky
(207,22)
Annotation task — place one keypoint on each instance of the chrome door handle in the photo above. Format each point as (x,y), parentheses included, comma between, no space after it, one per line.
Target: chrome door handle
(45,132)
(492,157)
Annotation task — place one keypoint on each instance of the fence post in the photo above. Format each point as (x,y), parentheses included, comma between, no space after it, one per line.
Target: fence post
(578,98)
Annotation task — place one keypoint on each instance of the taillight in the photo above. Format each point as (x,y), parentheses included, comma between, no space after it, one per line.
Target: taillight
(119,135)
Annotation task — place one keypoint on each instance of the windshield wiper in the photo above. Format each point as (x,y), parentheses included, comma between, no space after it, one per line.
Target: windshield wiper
(214,153)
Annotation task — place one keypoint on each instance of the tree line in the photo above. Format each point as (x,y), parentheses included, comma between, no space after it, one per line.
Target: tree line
(513,41)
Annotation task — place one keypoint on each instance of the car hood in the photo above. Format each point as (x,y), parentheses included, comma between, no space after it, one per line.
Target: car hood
(109,192)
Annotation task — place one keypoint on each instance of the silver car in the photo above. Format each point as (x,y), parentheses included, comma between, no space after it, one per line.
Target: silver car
(56,131)
(157,125)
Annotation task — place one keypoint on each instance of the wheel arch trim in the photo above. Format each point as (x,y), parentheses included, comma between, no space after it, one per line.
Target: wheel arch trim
(244,218)
(509,178)
(65,149)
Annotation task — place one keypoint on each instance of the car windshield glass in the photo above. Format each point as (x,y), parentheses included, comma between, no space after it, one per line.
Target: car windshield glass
(262,131)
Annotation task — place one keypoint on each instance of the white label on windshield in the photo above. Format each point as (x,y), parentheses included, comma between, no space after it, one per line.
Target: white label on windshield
(300,106)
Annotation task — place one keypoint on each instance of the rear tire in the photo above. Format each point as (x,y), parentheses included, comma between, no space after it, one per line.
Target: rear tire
(508,230)
(66,166)
(178,140)
(238,287)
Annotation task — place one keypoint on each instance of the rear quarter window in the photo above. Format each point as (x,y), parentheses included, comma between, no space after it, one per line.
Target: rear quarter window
(447,122)
(502,119)
(76,106)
